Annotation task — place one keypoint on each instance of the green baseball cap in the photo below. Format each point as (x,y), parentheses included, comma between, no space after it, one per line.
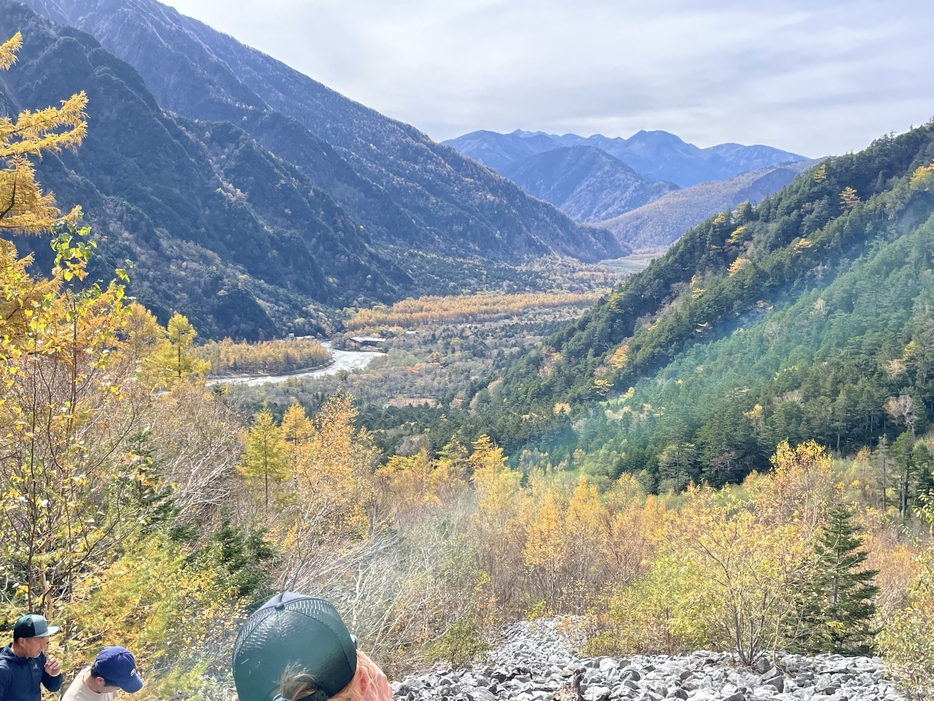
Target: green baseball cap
(32,625)
(292,632)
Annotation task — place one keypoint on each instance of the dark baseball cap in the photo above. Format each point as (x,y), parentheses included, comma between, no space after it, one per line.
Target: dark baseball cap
(32,625)
(118,668)
(292,632)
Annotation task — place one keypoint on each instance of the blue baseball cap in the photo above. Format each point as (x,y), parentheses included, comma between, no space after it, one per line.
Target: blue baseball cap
(118,668)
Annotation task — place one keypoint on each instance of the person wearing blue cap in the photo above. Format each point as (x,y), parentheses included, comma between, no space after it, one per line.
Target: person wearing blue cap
(113,670)
(23,664)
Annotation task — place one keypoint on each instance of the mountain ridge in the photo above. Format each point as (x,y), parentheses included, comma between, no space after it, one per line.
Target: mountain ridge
(405,189)
(659,155)
(659,223)
(203,238)
(585,182)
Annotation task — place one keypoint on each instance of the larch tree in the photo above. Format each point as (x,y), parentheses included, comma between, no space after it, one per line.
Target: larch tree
(266,459)
(24,208)
(69,480)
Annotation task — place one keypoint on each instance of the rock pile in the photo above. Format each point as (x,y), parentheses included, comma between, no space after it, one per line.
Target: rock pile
(534,662)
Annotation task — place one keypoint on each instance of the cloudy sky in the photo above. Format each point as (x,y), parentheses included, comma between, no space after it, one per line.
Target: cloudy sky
(815,77)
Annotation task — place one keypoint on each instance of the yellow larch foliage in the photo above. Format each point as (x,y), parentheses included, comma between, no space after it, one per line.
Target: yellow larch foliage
(466,308)
(738,265)
(545,542)
(802,245)
(620,357)
(328,481)
(296,426)
(265,462)
(270,357)
(404,482)
(800,486)
(923,177)
(8,51)
(737,235)
(849,198)
(138,602)
(24,208)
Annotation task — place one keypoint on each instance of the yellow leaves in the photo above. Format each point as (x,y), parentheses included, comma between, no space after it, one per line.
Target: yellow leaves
(756,416)
(561,409)
(24,208)
(459,309)
(620,357)
(140,601)
(737,236)
(173,359)
(801,245)
(801,485)
(8,51)
(602,387)
(848,198)
(922,178)
(271,357)
(328,477)
(738,265)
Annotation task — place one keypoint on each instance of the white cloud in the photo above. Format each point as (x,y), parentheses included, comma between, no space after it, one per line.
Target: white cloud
(814,78)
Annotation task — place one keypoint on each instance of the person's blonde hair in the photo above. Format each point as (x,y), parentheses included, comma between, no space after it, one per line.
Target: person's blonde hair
(297,684)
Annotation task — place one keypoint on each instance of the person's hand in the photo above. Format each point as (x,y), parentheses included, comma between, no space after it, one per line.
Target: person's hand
(52,667)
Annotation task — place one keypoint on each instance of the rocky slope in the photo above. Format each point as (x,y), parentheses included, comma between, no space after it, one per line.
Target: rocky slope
(535,662)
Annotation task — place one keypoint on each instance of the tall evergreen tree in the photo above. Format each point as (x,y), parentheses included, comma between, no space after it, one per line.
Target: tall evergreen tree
(837,600)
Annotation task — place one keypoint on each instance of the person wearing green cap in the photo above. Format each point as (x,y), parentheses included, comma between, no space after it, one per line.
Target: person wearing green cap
(23,664)
(297,648)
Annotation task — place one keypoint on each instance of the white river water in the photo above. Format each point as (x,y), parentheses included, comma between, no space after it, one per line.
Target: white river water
(340,360)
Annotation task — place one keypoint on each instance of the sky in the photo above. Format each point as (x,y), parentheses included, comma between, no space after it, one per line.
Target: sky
(815,78)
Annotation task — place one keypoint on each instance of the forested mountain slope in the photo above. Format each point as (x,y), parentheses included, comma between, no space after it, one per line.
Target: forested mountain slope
(807,315)
(657,224)
(408,191)
(585,183)
(219,229)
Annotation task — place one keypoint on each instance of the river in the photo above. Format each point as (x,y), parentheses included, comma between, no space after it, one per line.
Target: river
(340,360)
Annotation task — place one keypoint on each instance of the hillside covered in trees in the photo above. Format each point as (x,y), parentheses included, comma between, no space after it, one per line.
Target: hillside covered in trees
(803,317)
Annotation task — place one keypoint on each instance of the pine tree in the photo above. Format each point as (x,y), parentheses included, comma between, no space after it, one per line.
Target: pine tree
(837,601)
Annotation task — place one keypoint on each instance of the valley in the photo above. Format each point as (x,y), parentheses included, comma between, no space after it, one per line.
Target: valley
(664,400)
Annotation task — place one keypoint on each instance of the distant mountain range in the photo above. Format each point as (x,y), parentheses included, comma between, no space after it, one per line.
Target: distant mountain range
(633,186)
(662,221)
(658,155)
(584,182)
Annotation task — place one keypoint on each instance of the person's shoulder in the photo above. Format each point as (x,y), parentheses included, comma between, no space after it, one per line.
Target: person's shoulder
(4,660)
